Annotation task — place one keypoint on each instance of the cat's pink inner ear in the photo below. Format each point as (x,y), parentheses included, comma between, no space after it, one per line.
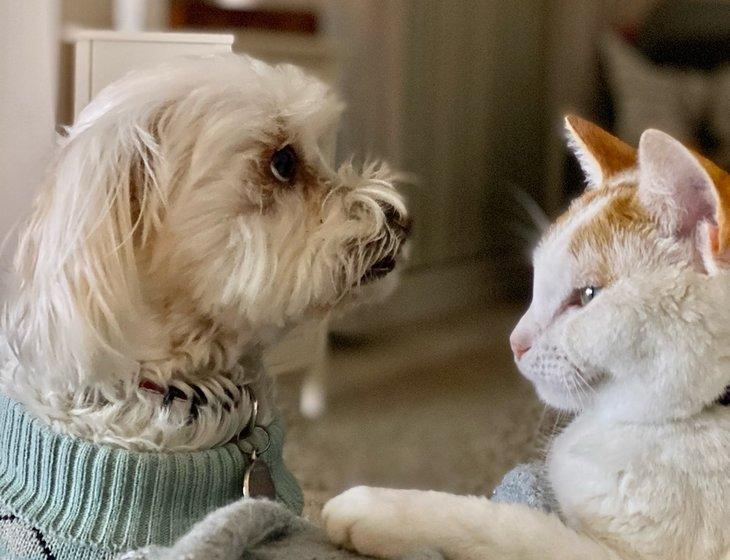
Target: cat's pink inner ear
(674,185)
(715,258)
(600,154)
(721,189)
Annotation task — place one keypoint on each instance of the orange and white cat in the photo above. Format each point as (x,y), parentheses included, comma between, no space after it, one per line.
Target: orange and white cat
(629,327)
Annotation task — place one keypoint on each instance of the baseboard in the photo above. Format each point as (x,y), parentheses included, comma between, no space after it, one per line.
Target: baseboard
(423,295)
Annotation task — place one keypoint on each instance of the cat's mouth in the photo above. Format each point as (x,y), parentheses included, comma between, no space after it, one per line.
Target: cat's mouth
(558,381)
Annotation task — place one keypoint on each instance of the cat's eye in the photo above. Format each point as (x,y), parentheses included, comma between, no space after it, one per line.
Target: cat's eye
(283,164)
(587,293)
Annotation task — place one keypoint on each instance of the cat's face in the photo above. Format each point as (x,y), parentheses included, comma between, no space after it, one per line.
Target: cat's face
(605,236)
(645,216)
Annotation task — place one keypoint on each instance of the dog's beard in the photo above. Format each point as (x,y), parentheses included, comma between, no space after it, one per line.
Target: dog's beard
(318,255)
(375,260)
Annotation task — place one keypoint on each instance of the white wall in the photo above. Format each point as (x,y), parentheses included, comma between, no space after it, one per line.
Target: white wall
(108,14)
(28,55)
(29,32)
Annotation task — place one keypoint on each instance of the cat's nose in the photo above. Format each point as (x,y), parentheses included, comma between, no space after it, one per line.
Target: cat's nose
(519,344)
(518,349)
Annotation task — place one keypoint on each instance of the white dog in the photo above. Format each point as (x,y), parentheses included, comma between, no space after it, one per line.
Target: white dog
(189,218)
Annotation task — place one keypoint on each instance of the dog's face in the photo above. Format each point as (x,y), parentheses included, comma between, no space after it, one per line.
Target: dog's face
(257,224)
(197,201)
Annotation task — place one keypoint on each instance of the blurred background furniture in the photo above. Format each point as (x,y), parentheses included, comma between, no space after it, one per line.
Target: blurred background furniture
(102,56)
(665,65)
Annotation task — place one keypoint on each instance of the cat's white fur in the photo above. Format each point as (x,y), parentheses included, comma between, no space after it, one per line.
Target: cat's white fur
(642,473)
(163,248)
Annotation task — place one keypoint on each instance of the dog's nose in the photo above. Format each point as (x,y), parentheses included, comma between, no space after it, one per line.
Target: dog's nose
(395,219)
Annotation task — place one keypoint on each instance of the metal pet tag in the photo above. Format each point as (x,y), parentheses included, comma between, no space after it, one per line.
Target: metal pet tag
(257,481)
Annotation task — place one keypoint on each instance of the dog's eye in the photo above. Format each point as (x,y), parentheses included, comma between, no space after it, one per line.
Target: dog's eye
(587,293)
(284,164)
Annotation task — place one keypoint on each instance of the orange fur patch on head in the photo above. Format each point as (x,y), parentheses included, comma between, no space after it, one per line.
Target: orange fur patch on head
(579,204)
(594,243)
(721,180)
(611,155)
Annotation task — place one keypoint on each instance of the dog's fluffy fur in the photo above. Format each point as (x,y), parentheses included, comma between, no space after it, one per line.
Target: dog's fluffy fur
(163,248)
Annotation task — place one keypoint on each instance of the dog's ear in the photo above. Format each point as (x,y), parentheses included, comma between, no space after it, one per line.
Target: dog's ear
(77,259)
(600,154)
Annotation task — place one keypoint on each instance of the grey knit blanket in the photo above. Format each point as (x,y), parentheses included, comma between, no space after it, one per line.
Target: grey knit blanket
(263,530)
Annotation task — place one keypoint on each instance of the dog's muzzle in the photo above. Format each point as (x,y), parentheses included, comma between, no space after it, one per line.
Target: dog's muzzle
(399,227)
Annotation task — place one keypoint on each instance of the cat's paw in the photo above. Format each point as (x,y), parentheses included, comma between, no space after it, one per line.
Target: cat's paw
(367,520)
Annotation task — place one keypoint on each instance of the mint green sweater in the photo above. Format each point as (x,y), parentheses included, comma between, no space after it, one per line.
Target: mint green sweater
(63,498)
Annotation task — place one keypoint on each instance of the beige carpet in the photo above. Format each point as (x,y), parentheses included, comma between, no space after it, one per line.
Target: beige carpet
(437,407)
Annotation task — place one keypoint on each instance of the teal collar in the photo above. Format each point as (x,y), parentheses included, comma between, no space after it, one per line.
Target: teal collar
(116,499)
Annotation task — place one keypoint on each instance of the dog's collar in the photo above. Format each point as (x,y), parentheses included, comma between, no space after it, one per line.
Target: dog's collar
(114,499)
(225,392)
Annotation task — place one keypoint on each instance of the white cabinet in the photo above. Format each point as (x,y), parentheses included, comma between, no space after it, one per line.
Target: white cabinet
(100,57)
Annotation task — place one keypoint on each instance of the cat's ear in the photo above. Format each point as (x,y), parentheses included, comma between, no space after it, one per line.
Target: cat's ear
(600,154)
(686,191)
(716,234)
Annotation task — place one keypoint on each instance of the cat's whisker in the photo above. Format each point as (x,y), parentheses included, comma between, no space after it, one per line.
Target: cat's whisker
(585,383)
(580,392)
(546,437)
(568,387)
(575,391)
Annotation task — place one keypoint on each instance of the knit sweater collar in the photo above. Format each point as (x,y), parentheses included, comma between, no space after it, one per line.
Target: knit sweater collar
(114,498)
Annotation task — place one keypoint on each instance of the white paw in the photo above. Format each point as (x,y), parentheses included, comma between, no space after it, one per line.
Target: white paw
(341,513)
(367,520)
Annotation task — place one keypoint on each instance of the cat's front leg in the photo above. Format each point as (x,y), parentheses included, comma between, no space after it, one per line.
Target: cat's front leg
(392,523)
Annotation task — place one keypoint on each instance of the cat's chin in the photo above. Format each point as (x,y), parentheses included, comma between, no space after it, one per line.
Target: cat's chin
(558,379)
(570,390)
(559,398)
